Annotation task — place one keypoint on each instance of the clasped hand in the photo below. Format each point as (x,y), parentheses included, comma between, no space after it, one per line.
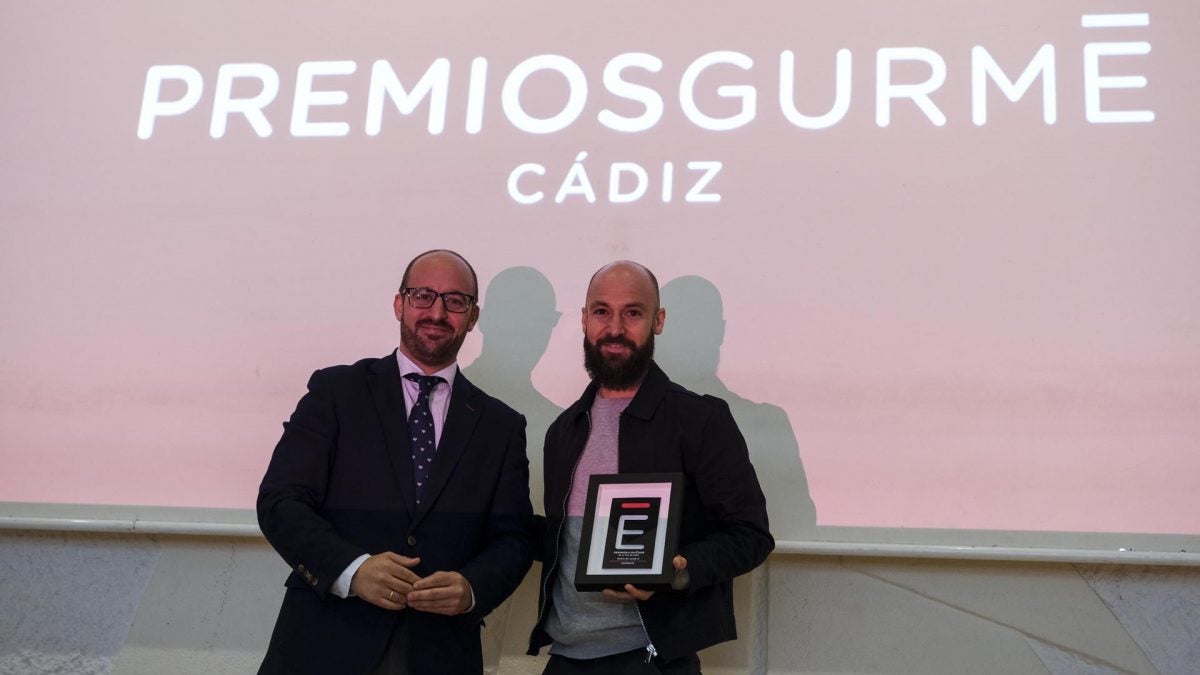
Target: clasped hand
(387,580)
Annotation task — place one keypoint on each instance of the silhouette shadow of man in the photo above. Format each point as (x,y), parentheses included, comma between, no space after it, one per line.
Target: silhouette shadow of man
(690,352)
(519,316)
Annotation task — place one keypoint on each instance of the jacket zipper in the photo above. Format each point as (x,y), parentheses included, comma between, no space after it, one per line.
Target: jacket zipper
(651,652)
(563,521)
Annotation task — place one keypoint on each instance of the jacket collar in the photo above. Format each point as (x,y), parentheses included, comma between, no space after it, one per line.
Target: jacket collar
(647,399)
(466,406)
(387,391)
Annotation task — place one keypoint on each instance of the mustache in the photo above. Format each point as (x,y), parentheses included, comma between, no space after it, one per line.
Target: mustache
(435,323)
(616,340)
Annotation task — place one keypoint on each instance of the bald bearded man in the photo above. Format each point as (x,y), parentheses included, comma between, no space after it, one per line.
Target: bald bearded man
(633,419)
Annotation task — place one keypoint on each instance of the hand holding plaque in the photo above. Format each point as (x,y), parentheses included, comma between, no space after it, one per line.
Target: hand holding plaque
(631,592)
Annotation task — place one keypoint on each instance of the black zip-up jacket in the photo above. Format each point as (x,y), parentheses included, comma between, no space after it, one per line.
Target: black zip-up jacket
(723,533)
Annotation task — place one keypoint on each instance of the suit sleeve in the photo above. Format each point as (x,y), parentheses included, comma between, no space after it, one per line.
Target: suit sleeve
(293,490)
(507,550)
(733,503)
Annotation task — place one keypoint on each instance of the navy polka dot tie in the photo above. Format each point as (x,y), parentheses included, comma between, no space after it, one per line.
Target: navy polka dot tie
(420,426)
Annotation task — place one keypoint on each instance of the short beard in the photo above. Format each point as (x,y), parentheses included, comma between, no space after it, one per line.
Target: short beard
(618,374)
(426,354)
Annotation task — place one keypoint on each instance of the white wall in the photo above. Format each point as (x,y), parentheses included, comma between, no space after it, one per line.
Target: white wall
(104,603)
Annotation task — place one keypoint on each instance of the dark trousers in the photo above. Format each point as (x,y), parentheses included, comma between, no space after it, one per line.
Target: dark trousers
(625,663)
(395,658)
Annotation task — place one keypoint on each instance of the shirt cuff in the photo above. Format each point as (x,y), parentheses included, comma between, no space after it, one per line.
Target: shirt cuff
(341,585)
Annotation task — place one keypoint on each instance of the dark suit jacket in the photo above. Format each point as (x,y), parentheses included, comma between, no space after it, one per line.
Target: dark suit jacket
(340,484)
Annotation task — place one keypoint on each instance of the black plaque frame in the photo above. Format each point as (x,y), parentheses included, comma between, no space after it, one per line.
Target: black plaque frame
(593,572)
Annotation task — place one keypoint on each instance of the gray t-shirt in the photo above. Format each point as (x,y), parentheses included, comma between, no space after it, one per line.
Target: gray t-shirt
(588,625)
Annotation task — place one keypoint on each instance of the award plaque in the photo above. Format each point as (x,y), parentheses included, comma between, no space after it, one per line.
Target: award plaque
(630,531)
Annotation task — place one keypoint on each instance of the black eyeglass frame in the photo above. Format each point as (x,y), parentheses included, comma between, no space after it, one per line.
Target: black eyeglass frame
(408,293)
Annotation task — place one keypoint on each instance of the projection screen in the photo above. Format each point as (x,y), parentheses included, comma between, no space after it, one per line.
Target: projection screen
(942,259)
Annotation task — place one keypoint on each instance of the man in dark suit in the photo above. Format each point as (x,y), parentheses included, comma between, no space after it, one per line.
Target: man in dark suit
(399,545)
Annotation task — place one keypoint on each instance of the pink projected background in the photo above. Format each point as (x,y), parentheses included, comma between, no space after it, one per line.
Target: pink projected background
(981,323)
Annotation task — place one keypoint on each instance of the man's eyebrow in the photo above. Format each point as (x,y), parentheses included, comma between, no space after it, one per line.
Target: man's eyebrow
(431,288)
(629,305)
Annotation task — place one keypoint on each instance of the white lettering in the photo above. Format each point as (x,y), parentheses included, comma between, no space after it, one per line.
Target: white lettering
(1093,82)
(475,92)
(306,98)
(514,190)
(984,66)
(1114,20)
(623,532)
(697,195)
(841,96)
(687,93)
(885,91)
(435,84)
(634,92)
(224,105)
(641,182)
(576,182)
(153,107)
(510,96)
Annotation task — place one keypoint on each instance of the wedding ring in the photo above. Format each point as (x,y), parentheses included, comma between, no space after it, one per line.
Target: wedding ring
(391,593)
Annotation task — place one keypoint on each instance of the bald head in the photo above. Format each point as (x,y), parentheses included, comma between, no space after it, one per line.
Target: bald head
(629,273)
(443,253)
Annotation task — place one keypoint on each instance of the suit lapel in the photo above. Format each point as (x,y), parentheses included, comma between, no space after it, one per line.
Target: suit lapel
(387,390)
(466,405)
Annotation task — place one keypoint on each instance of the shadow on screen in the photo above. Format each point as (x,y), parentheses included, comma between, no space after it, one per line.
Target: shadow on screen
(515,323)
(689,350)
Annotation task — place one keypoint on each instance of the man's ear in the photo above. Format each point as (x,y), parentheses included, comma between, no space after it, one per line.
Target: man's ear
(660,319)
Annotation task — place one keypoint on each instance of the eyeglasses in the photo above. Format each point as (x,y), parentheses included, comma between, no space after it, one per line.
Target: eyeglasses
(423,298)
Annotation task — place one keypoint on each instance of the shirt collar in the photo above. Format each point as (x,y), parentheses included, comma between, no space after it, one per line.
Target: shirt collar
(407,366)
